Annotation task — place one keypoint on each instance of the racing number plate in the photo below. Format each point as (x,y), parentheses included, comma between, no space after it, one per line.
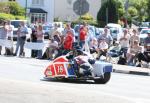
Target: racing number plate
(60,69)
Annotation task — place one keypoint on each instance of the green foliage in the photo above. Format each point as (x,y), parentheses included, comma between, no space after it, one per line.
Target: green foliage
(11,10)
(57,19)
(148,10)
(16,9)
(20,17)
(112,14)
(141,7)
(86,16)
(132,11)
(4,16)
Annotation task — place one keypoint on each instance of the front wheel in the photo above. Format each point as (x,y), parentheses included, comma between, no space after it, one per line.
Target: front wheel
(103,80)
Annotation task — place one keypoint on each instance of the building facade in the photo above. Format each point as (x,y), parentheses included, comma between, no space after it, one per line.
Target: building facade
(64,9)
(38,10)
(47,10)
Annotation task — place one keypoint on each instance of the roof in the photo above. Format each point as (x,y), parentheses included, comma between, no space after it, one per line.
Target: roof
(37,10)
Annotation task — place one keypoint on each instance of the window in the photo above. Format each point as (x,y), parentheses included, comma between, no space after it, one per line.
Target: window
(37,2)
(38,17)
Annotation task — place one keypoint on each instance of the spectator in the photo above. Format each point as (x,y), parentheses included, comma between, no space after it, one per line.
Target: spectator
(93,45)
(133,51)
(34,39)
(3,34)
(82,36)
(107,36)
(10,28)
(146,55)
(51,50)
(102,48)
(124,42)
(40,39)
(68,41)
(134,37)
(68,28)
(114,51)
(22,31)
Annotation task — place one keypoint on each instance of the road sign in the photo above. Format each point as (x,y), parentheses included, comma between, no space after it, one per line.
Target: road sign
(80,7)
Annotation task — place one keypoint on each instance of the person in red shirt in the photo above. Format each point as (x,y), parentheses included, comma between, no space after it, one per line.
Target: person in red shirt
(82,36)
(68,42)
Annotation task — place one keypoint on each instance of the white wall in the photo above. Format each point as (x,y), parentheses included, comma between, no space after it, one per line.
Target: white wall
(63,9)
(48,7)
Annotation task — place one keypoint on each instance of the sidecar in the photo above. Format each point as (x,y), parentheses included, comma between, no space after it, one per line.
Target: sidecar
(61,68)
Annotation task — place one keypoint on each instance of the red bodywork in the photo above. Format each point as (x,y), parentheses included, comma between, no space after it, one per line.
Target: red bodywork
(57,67)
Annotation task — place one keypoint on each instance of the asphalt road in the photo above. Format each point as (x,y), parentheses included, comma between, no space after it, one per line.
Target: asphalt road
(21,82)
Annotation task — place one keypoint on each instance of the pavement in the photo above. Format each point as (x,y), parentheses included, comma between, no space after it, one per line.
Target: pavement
(131,70)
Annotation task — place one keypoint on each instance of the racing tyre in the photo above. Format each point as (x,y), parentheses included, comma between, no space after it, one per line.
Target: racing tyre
(103,80)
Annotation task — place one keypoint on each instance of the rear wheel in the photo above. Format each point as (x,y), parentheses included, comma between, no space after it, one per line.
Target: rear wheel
(103,80)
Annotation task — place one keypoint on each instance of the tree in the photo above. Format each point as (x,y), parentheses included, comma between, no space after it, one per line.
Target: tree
(108,13)
(148,10)
(11,10)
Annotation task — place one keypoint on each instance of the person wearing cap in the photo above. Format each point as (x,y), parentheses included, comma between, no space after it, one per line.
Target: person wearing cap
(146,55)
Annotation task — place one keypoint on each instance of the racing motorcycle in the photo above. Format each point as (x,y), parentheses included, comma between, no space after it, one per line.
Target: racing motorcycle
(67,67)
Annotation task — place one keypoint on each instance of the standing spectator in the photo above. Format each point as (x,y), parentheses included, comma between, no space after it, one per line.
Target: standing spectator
(107,36)
(82,36)
(40,39)
(22,31)
(3,34)
(124,42)
(134,37)
(34,39)
(10,28)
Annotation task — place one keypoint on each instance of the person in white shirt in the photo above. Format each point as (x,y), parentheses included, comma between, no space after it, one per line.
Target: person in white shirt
(102,48)
(10,28)
(124,42)
(3,34)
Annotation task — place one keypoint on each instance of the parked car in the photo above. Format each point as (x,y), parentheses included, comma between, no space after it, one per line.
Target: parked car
(46,31)
(98,31)
(144,25)
(16,24)
(143,35)
(115,29)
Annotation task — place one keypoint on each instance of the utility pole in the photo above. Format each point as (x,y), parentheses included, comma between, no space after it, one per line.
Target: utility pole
(25,9)
(107,12)
(126,5)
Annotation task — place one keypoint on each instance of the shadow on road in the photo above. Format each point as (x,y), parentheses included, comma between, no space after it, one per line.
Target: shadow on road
(68,81)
